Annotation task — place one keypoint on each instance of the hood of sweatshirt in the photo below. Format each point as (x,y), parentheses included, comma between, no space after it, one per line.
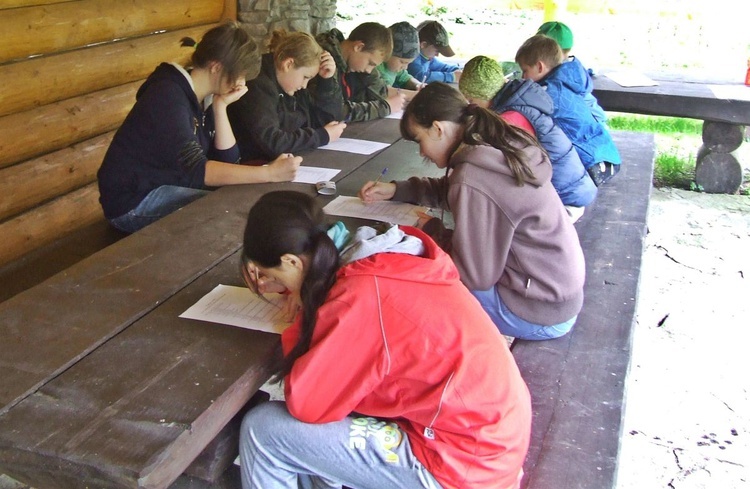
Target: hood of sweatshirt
(492,159)
(331,42)
(173,73)
(573,75)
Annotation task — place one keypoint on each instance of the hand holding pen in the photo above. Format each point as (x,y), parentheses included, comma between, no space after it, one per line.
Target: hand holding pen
(377,190)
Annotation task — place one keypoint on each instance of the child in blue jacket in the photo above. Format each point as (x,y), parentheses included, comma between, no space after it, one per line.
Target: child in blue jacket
(433,40)
(541,60)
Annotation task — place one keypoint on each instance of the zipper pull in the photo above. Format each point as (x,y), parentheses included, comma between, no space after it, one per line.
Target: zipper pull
(429,433)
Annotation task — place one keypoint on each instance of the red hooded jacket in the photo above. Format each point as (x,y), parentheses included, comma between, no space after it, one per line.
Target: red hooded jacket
(400,337)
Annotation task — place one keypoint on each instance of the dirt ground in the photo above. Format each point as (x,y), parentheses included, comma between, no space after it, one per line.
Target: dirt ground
(686,420)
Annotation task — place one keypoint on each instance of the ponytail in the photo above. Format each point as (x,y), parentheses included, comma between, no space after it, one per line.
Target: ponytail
(285,222)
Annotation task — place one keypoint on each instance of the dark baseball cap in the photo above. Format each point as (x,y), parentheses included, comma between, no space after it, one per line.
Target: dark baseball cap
(432,32)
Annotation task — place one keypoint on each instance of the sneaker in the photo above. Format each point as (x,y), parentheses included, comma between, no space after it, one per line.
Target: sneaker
(601,172)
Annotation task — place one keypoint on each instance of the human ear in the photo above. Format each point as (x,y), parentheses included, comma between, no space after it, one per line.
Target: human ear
(292,260)
(287,65)
(359,46)
(438,130)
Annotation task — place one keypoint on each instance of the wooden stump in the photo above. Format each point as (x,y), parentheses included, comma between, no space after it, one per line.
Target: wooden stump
(716,172)
(721,136)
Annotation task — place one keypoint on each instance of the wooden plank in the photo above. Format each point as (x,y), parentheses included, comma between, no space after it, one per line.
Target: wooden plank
(29,184)
(5,4)
(122,427)
(671,98)
(39,30)
(48,222)
(55,126)
(40,81)
(577,382)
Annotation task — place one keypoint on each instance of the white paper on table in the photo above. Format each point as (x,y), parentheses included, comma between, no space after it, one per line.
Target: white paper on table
(395,115)
(386,211)
(314,174)
(731,92)
(631,79)
(238,306)
(358,146)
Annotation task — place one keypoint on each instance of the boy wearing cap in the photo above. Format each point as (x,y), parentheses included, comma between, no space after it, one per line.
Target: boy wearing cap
(525,104)
(362,92)
(405,50)
(541,60)
(433,40)
(564,37)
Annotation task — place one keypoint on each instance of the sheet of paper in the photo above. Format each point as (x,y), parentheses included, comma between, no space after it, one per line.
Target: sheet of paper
(731,92)
(314,174)
(386,211)
(238,306)
(395,115)
(358,146)
(631,79)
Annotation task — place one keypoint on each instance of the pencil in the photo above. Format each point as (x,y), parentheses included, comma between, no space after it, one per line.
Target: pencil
(382,174)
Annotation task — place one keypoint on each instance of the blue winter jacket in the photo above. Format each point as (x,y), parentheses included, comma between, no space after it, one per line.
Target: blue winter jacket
(431,69)
(590,138)
(569,177)
(587,84)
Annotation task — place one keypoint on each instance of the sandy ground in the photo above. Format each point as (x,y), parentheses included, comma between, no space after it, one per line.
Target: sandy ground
(687,418)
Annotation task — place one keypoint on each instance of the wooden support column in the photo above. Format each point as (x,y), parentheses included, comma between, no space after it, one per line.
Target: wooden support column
(717,169)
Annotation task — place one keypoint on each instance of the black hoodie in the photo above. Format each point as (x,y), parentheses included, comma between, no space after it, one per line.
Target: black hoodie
(166,139)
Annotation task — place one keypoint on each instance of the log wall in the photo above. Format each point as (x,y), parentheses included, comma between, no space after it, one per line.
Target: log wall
(69,72)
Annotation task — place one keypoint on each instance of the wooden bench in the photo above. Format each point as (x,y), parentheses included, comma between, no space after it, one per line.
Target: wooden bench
(577,382)
(723,107)
(69,72)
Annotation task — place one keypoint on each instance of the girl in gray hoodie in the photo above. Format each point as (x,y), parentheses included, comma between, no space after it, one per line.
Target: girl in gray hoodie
(513,243)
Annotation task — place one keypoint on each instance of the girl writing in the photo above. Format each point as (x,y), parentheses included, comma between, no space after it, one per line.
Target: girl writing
(513,243)
(176,140)
(390,333)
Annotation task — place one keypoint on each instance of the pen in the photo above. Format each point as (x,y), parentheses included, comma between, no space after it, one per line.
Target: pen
(382,174)
(424,79)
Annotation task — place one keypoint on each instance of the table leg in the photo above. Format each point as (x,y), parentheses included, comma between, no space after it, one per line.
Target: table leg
(717,169)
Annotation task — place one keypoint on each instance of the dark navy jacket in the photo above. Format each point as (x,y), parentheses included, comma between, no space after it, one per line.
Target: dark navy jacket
(267,122)
(569,177)
(590,137)
(166,139)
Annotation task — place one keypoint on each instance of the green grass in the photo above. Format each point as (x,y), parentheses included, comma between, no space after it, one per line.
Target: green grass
(655,124)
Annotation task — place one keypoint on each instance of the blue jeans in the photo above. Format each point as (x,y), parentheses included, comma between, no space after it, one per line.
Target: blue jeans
(157,204)
(511,325)
(279,451)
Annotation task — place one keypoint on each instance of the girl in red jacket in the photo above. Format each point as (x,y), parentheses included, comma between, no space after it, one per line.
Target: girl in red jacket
(394,376)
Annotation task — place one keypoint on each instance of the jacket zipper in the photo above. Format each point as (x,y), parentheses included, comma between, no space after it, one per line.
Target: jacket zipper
(429,433)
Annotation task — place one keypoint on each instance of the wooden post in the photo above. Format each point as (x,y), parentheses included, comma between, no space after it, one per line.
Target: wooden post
(554,9)
(717,169)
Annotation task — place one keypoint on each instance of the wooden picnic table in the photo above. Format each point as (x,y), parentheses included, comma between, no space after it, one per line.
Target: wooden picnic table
(724,108)
(102,384)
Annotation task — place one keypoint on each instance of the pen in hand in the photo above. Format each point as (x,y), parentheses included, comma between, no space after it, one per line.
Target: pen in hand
(382,174)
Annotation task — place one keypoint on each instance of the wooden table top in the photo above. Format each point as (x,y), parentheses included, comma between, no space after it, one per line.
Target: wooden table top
(676,97)
(102,382)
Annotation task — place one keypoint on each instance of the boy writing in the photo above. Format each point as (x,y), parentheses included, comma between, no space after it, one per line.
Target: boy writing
(405,50)
(362,92)
(564,37)
(433,40)
(541,60)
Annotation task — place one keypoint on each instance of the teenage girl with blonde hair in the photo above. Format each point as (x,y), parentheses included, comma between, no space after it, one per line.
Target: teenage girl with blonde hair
(278,115)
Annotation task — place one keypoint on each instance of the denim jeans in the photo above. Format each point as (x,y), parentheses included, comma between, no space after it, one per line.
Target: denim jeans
(157,204)
(279,451)
(511,325)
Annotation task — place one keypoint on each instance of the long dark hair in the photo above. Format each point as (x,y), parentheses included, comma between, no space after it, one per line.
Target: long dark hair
(284,222)
(441,102)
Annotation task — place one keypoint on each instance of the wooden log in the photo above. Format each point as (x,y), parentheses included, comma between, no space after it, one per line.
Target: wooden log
(24,186)
(40,81)
(41,130)
(722,137)
(716,172)
(46,223)
(64,26)
(6,4)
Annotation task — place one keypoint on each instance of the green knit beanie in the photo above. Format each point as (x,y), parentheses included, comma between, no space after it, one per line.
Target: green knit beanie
(481,79)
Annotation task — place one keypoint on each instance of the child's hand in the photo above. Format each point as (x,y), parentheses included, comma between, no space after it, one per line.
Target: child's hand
(375,191)
(334,130)
(284,168)
(424,218)
(327,65)
(457,75)
(397,102)
(231,96)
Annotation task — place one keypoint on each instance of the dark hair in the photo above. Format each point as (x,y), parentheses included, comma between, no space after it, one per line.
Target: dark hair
(231,45)
(441,102)
(284,222)
(376,37)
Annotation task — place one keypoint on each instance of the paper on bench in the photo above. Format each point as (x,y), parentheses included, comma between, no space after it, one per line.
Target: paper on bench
(238,306)
(358,146)
(386,211)
(314,174)
(630,79)
(731,92)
